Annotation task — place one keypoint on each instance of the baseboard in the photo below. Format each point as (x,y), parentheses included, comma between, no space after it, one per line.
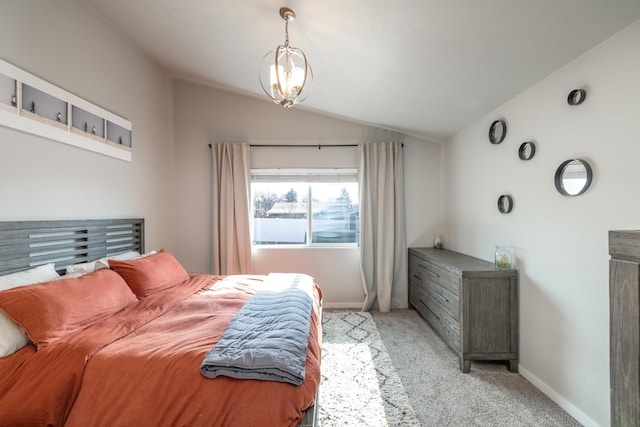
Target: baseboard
(576,413)
(342,305)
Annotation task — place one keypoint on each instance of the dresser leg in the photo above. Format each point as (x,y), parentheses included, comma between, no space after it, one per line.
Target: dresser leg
(465,365)
(513,365)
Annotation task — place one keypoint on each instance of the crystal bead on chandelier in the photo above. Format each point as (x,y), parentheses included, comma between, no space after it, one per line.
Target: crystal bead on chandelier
(285,74)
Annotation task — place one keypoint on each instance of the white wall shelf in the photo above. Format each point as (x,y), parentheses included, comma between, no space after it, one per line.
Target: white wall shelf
(32,105)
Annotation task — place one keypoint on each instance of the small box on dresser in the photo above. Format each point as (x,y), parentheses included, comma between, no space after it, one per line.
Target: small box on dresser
(472,305)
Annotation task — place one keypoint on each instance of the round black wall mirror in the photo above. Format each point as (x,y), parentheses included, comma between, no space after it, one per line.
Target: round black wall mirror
(573,177)
(505,204)
(527,150)
(497,131)
(577,96)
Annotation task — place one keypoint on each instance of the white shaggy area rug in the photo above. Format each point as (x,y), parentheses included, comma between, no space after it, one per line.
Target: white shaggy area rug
(360,386)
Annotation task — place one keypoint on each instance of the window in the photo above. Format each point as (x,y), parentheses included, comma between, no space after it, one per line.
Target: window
(289,206)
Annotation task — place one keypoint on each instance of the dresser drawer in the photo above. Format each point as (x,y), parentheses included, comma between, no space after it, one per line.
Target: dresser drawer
(440,320)
(445,298)
(420,269)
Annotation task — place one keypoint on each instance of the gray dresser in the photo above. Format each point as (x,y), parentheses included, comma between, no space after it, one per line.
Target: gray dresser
(472,305)
(624,312)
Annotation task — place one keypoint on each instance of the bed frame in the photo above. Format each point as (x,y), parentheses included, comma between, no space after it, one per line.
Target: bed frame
(26,244)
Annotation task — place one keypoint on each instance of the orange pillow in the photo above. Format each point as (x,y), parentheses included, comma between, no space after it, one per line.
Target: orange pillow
(48,311)
(150,274)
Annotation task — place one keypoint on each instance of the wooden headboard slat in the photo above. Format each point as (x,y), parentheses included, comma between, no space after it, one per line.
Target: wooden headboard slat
(25,244)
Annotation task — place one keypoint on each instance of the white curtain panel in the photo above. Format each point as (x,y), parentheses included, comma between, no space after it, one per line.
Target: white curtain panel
(230,201)
(383,259)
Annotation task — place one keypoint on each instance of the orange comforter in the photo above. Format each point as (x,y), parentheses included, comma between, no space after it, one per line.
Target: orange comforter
(141,366)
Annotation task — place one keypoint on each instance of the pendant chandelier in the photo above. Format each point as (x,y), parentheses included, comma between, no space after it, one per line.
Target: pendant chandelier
(285,74)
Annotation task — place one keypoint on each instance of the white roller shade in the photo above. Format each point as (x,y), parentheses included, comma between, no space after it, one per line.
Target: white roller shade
(305,175)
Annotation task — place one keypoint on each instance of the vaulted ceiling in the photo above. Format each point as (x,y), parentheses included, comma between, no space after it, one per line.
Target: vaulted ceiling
(423,67)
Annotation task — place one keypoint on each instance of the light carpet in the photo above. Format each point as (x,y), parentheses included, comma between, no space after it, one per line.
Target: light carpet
(360,386)
(443,396)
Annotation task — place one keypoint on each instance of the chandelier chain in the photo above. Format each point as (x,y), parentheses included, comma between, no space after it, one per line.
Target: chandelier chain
(286,33)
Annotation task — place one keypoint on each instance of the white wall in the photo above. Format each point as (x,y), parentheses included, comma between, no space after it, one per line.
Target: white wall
(204,115)
(562,247)
(67,44)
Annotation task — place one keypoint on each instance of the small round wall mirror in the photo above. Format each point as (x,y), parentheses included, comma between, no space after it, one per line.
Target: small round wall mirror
(497,131)
(527,150)
(505,204)
(573,177)
(576,97)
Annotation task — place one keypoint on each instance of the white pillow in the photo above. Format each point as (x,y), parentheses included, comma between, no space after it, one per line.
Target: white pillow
(83,268)
(42,273)
(104,262)
(12,337)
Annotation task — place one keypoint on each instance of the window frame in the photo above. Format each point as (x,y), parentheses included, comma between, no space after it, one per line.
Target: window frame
(307,177)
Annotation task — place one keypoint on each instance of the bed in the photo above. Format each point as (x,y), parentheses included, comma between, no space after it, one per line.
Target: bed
(124,344)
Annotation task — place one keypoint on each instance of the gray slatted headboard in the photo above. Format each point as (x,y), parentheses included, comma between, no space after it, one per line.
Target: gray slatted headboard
(26,244)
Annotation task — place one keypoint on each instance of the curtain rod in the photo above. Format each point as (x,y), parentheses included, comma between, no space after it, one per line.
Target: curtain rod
(319,146)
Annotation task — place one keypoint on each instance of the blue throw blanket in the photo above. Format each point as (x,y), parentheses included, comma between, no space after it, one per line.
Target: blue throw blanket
(268,338)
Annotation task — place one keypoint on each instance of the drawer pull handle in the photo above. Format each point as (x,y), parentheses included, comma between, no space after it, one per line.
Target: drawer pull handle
(429,308)
(441,297)
(429,272)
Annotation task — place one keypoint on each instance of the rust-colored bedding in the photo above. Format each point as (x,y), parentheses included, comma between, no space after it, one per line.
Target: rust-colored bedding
(141,367)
